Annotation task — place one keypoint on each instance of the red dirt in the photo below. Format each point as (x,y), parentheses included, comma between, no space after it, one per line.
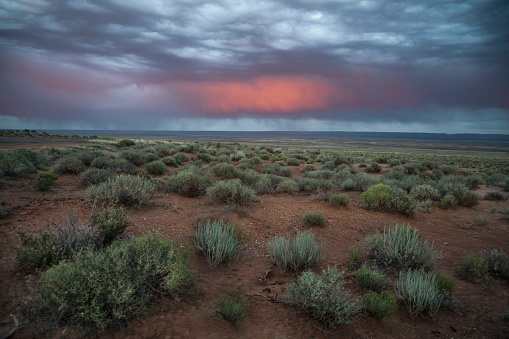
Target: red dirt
(481,315)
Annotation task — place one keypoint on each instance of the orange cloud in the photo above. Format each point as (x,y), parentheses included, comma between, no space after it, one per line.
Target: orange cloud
(262,95)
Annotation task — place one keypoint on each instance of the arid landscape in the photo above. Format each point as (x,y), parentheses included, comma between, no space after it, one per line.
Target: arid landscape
(477,307)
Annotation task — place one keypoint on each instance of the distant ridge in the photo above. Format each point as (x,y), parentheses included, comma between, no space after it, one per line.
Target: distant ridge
(292,134)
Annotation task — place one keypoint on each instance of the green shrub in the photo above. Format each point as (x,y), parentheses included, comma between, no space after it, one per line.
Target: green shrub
(356,256)
(283,171)
(188,182)
(126,143)
(314,219)
(119,165)
(134,157)
(219,242)
(465,197)
(156,167)
(374,168)
(170,161)
(293,162)
(498,264)
(127,190)
(231,192)
(47,248)
(308,168)
(337,200)
(448,201)
(402,247)
(424,192)
(377,197)
(111,222)
(233,309)
(95,176)
(348,185)
(444,283)
(296,254)
(372,280)
(313,184)
(288,186)
(400,202)
(497,196)
(324,297)
(69,165)
(449,169)
(418,291)
(13,164)
(225,171)
(474,181)
(474,269)
(45,180)
(379,305)
(181,157)
(109,288)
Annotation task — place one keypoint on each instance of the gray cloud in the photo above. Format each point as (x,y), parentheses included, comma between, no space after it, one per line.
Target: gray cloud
(403,61)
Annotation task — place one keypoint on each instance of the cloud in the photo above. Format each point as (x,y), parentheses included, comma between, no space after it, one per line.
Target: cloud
(128,63)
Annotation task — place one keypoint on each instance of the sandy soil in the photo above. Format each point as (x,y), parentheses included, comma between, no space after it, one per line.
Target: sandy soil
(481,314)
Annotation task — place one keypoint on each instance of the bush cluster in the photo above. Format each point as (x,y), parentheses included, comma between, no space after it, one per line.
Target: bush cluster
(324,297)
(231,192)
(314,219)
(372,280)
(127,190)
(337,200)
(219,242)
(233,309)
(296,254)
(188,182)
(108,288)
(379,305)
(45,180)
(402,246)
(419,292)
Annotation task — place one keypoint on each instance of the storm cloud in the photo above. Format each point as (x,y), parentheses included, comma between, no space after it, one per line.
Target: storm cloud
(246,65)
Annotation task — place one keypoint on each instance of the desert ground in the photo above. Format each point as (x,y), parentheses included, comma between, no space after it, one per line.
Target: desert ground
(481,309)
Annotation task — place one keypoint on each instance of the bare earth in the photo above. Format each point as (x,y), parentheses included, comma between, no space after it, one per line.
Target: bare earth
(481,314)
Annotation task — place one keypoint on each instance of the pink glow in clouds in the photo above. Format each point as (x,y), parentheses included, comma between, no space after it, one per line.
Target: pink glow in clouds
(261,96)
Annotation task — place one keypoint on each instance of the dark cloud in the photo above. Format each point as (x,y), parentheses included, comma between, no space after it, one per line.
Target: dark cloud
(119,62)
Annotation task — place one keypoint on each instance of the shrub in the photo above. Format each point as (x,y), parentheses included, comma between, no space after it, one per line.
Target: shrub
(424,192)
(170,161)
(95,176)
(231,192)
(296,254)
(379,305)
(444,283)
(324,297)
(288,186)
(13,164)
(293,162)
(45,180)
(225,171)
(111,222)
(377,197)
(418,291)
(109,288)
(188,182)
(402,203)
(308,168)
(448,201)
(337,200)
(69,165)
(397,173)
(356,256)
(219,242)
(498,263)
(120,165)
(283,171)
(47,248)
(313,185)
(181,157)
(124,190)
(465,197)
(314,219)
(497,196)
(372,280)
(134,157)
(374,168)
(474,181)
(474,269)
(233,309)
(448,169)
(402,247)
(268,169)
(348,185)
(156,167)
(126,143)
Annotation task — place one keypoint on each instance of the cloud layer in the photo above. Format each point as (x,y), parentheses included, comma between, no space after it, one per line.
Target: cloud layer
(255,65)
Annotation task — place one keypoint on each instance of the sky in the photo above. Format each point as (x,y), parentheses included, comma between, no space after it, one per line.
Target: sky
(264,65)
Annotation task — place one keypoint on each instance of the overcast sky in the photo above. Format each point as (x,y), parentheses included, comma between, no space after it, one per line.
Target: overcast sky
(410,66)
